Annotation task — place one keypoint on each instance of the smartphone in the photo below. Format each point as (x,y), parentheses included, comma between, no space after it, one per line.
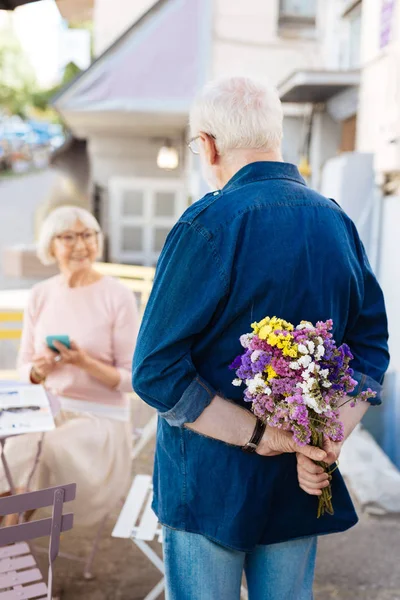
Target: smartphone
(63,339)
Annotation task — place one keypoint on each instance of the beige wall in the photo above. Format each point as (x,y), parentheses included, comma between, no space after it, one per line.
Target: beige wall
(246,41)
(378,127)
(113,17)
(131,157)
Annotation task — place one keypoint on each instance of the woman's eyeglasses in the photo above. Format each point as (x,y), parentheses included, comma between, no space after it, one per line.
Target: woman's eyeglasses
(70,239)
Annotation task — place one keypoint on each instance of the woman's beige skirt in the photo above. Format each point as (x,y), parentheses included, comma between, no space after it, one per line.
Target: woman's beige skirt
(93,452)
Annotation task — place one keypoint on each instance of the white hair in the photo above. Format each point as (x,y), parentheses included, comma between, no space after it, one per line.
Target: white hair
(240,113)
(60,220)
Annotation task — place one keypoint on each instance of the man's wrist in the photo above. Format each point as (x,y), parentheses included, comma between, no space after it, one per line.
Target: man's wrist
(264,448)
(256,437)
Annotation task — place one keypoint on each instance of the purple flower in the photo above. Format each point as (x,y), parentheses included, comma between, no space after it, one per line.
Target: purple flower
(236,363)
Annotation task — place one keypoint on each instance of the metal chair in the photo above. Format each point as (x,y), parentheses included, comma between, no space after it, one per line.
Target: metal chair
(20,578)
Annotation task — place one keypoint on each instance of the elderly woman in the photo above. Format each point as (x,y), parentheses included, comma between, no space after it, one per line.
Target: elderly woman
(91,443)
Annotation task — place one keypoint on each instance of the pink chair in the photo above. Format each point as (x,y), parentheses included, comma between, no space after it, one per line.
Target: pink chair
(20,578)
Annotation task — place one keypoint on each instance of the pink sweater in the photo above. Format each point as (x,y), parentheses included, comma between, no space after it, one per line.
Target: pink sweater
(102,318)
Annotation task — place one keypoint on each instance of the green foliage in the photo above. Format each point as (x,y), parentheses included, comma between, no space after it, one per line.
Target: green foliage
(42,99)
(17,79)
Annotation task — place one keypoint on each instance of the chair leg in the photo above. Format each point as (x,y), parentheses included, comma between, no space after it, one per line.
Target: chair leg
(157,562)
(149,431)
(155,592)
(87,571)
(151,555)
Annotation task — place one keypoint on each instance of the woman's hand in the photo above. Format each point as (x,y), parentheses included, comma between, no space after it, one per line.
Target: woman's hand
(312,478)
(72,356)
(42,366)
(78,357)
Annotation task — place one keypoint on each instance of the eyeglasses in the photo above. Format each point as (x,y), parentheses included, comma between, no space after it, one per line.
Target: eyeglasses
(193,143)
(70,239)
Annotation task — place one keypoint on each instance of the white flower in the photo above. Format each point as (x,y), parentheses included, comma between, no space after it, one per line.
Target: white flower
(304,361)
(268,391)
(306,375)
(311,347)
(245,339)
(326,384)
(320,352)
(311,403)
(324,373)
(312,367)
(237,382)
(294,365)
(320,340)
(302,349)
(256,385)
(305,326)
(256,355)
(307,385)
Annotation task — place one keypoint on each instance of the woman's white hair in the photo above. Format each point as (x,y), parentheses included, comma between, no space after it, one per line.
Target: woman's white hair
(240,113)
(60,220)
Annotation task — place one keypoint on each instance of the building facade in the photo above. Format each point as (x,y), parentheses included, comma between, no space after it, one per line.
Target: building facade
(135,99)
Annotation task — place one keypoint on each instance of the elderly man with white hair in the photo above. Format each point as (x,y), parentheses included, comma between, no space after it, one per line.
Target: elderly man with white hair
(262,244)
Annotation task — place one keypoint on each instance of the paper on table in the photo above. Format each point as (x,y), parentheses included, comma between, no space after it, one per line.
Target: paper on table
(24,409)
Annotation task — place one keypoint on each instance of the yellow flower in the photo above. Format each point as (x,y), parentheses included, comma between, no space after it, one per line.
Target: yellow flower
(271,373)
(264,332)
(273,339)
(270,324)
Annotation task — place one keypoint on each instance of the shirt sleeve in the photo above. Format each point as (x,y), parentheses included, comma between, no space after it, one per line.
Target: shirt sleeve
(368,336)
(189,284)
(27,346)
(125,332)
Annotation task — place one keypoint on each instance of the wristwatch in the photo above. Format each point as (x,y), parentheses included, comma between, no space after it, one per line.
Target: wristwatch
(256,438)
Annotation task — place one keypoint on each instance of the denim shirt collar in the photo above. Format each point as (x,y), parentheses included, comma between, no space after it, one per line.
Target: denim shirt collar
(261,170)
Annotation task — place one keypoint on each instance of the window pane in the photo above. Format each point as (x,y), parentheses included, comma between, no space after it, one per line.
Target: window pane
(164,204)
(355,39)
(132,239)
(298,8)
(160,235)
(133,203)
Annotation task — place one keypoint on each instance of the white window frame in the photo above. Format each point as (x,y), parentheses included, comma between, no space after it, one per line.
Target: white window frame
(148,221)
(295,19)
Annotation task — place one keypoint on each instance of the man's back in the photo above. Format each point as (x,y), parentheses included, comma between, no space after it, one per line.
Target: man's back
(265,245)
(285,251)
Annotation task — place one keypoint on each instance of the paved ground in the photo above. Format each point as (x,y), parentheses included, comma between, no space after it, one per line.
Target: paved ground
(362,564)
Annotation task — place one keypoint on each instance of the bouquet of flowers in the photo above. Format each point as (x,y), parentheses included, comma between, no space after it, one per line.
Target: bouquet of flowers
(296,379)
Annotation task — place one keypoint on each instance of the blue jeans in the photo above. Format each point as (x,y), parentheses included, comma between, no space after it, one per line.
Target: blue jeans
(198,569)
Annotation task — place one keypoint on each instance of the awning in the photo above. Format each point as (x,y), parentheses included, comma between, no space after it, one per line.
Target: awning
(316,86)
(148,78)
(11,4)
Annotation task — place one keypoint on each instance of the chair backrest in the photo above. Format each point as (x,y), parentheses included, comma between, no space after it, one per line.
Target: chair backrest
(15,318)
(137,278)
(137,519)
(23,532)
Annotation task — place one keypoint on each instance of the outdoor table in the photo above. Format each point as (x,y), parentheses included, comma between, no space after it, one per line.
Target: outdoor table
(3,438)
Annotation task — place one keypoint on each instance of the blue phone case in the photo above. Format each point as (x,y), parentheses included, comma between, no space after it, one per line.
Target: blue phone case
(63,339)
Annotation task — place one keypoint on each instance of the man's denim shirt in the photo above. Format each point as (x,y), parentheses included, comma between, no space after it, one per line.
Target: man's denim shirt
(265,245)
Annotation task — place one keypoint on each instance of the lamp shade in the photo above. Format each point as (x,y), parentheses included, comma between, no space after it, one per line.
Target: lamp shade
(168,158)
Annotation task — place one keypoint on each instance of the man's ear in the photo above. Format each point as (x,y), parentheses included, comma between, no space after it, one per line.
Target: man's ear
(210,148)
